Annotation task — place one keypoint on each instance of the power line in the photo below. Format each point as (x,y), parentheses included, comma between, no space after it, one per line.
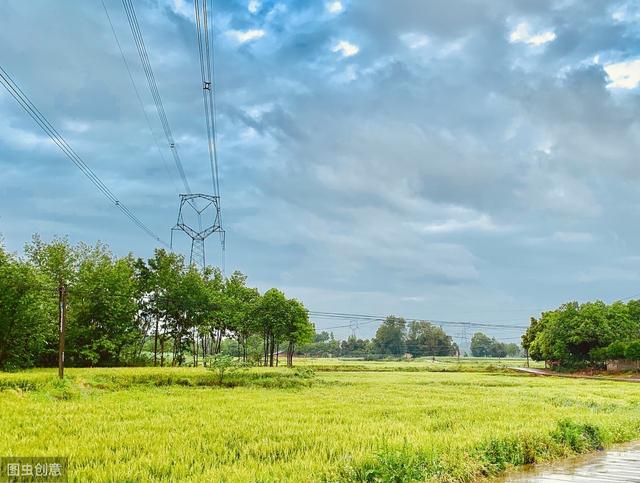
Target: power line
(57,138)
(205,51)
(153,87)
(378,318)
(204,39)
(137,92)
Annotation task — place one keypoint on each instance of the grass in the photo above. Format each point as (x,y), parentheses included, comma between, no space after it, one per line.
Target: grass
(426,364)
(277,424)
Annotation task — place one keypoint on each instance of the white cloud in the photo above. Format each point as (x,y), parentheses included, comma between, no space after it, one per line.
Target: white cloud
(414,40)
(254,6)
(335,7)
(623,75)
(23,139)
(347,49)
(181,7)
(243,36)
(522,34)
(76,126)
(482,222)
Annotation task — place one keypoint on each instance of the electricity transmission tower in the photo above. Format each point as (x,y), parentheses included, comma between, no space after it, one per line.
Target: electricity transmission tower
(199,206)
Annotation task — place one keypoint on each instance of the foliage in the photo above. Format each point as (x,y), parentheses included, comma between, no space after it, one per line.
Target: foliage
(223,364)
(123,311)
(632,350)
(427,339)
(324,344)
(580,334)
(390,337)
(485,346)
(24,304)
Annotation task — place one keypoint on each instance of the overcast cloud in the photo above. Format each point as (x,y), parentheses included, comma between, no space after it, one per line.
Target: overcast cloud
(468,160)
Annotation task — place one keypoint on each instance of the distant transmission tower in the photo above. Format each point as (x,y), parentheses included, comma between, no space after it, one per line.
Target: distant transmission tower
(354,325)
(198,205)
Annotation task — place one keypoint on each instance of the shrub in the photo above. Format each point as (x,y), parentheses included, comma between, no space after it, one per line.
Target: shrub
(616,350)
(223,364)
(632,350)
(395,465)
(579,437)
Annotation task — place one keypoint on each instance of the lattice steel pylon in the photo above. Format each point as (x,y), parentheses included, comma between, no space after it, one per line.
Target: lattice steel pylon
(200,234)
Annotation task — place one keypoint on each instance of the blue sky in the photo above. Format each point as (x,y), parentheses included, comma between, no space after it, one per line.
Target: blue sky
(468,160)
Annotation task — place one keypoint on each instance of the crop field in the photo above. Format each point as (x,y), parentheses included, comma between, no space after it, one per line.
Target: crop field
(364,423)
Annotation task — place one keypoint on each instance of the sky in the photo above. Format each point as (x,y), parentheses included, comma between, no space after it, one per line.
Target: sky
(459,161)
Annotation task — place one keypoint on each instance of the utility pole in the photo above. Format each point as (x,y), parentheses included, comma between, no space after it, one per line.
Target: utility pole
(62,308)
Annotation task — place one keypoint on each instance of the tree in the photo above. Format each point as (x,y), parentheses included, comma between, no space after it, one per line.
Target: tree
(270,313)
(240,304)
(616,351)
(427,339)
(576,334)
(103,327)
(390,337)
(354,347)
(116,304)
(513,350)
(481,345)
(27,338)
(161,285)
(296,329)
(632,351)
(323,345)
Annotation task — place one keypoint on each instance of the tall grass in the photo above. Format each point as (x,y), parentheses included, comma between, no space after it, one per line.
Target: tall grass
(172,425)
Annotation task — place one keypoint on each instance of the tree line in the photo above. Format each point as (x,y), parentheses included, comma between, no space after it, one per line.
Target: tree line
(131,311)
(484,346)
(394,338)
(588,334)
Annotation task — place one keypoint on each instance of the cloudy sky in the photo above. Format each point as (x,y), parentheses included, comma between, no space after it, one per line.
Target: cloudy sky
(455,160)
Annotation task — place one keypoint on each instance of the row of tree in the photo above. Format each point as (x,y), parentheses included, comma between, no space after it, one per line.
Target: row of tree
(395,337)
(584,334)
(126,310)
(484,346)
(420,339)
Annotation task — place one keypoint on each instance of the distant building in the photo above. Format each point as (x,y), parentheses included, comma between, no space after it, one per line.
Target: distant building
(623,365)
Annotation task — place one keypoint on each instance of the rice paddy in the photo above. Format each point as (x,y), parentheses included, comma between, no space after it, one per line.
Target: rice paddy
(350,421)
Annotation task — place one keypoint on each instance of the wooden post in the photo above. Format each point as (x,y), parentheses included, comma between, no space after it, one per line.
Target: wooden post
(62,302)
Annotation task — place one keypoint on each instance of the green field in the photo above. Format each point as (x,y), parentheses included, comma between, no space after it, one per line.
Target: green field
(351,421)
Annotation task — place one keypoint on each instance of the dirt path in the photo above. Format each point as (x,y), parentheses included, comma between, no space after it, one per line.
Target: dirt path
(621,464)
(542,372)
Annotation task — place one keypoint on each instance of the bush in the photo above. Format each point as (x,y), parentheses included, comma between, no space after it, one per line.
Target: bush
(616,350)
(395,465)
(632,350)
(304,372)
(223,364)
(579,437)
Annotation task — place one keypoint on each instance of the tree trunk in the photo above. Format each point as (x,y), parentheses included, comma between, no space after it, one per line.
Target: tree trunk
(265,346)
(203,343)
(155,345)
(271,349)
(175,351)
(219,341)
(277,354)
(195,349)
(244,350)
(290,351)
(162,351)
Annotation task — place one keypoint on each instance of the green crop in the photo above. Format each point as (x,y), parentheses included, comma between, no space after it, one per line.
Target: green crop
(277,424)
